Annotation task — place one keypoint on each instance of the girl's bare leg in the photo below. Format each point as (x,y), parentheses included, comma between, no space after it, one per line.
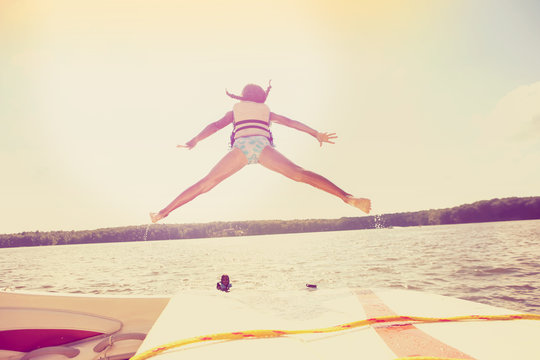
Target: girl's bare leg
(227,166)
(274,160)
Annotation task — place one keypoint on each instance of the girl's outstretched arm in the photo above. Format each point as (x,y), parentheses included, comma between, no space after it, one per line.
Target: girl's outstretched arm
(321,137)
(209,130)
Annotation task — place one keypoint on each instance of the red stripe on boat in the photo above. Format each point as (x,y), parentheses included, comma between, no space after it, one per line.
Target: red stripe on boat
(405,340)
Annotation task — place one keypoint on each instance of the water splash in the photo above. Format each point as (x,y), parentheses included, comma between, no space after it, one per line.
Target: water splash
(379,222)
(146,232)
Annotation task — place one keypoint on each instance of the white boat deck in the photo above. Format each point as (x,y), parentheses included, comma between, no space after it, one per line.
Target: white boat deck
(191,314)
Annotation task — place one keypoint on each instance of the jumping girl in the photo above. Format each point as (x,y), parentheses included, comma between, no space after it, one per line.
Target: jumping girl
(251,143)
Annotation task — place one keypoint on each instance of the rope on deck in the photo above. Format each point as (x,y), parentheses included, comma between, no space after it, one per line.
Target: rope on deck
(261,334)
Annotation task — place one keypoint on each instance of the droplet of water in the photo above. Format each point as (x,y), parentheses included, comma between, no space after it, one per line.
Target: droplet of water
(379,222)
(146,232)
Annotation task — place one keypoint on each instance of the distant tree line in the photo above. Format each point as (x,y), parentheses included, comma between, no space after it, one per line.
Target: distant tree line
(483,211)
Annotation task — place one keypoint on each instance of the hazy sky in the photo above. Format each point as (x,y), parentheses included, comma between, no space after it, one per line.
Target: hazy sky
(436,104)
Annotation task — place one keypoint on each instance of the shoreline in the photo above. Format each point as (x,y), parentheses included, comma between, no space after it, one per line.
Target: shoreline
(508,209)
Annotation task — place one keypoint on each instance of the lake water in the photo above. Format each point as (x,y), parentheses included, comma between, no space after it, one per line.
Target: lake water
(493,263)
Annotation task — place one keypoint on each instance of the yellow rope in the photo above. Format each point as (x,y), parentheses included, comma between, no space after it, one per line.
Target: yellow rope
(253,334)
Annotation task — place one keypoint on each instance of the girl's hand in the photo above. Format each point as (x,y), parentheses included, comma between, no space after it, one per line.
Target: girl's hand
(189,145)
(326,138)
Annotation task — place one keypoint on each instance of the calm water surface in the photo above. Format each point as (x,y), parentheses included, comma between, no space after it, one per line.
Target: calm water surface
(493,263)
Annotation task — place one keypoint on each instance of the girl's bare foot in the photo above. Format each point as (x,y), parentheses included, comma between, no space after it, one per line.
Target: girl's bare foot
(155,217)
(360,203)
